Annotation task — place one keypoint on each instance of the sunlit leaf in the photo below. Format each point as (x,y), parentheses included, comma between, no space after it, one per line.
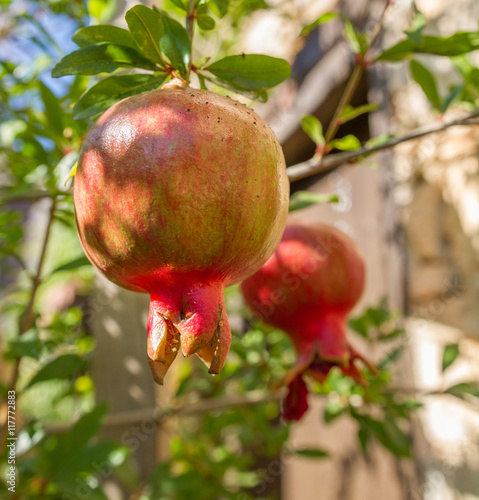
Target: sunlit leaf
(92,35)
(328,16)
(146,27)
(103,58)
(350,112)
(312,126)
(250,72)
(455,45)
(304,199)
(347,143)
(219,7)
(418,25)
(449,355)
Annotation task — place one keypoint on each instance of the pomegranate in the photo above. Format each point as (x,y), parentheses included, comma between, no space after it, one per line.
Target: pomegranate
(307,288)
(180,193)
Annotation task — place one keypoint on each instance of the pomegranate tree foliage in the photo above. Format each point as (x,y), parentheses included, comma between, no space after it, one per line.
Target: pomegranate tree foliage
(226,445)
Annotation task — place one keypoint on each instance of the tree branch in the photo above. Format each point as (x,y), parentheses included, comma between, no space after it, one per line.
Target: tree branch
(318,165)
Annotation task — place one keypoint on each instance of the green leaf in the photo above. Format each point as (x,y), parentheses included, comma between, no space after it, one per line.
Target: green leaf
(205,22)
(303,199)
(391,357)
(87,426)
(312,126)
(463,389)
(250,72)
(425,79)
(449,355)
(349,112)
(333,410)
(219,7)
(28,345)
(102,10)
(182,4)
(347,143)
(73,264)
(388,434)
(455,45)
(103,58)
(364,436)
(378,140)
(113,89)
(175,43)
(418,25)
(53,109)
(146,27)
(328,16)
(63,366)
(357,41)
(93,35)
(311,453)
(397,332)
(454,93)
(360,325)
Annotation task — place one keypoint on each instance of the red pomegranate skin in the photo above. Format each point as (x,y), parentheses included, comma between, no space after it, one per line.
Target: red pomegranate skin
(180,193)
(307,288)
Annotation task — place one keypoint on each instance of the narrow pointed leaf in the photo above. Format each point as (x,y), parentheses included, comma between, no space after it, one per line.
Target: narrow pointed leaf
(450,354)
(304,199)
(175,43)
(103,58)
(146,27)
(357,41)
(53,110)
(312,126)
(418,25)
(349,112)
(311,453)
(455,45)
(250,72)
(113,89)
(425,79)
(92,35)
(454,93)
(463,389)
(328,16)
(73,264)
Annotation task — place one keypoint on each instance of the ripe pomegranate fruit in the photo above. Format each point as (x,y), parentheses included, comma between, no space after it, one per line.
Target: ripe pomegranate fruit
(307,288)
(180,193)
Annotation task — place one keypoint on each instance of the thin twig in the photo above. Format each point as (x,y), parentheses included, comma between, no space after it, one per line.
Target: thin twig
(318,165)
(190,28)
(354,80)
(29,314)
